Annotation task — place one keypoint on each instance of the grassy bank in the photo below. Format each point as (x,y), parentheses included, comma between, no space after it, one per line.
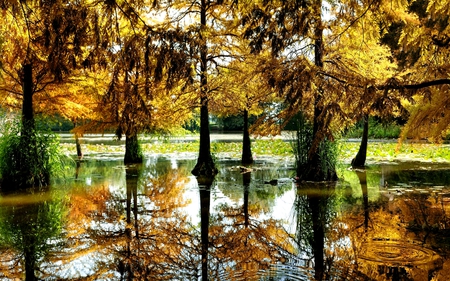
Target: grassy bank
(377,151)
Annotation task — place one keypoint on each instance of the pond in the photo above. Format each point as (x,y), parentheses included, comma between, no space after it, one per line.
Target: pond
(155,221)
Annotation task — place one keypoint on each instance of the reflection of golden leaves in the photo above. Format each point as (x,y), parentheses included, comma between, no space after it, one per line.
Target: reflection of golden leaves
(250,248)
(83,204)
(165,191)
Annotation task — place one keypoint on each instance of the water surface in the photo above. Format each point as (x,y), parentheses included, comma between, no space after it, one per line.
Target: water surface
(107,221)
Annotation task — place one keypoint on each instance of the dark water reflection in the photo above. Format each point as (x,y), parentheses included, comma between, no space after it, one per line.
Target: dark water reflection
(107,221)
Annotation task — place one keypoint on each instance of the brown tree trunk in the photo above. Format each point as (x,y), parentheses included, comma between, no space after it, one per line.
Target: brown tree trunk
(205,164)
(27,102)
(77,143)
(360,159)
(247,157)
(314,171)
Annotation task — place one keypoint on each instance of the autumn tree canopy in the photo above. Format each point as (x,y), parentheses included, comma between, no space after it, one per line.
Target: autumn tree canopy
(136,66)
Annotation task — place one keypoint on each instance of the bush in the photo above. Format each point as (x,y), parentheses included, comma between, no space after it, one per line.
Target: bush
(327,152)
(377,129)
(27,159)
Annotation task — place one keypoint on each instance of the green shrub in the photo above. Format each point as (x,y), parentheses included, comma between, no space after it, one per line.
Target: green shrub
(377,130)
(327,152)
(27,159)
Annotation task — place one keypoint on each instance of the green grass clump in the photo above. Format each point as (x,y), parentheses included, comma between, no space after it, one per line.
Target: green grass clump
(28,159)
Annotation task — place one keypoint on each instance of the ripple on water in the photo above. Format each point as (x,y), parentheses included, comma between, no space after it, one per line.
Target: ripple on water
(392,252)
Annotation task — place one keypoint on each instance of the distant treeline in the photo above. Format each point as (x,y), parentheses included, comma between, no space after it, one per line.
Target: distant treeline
(378,129)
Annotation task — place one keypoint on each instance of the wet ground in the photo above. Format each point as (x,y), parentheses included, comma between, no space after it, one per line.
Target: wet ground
(107,221)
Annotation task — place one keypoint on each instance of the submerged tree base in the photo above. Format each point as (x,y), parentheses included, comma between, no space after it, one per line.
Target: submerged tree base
(133,153)
(205,169)
(314,173)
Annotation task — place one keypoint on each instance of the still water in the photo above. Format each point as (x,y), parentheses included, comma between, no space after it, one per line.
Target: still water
(107,221)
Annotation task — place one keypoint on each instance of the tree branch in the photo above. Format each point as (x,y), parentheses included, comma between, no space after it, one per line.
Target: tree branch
(437,82)
(444,81)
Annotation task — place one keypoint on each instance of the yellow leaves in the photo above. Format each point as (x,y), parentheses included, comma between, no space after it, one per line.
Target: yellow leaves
(438,8)
(429,116)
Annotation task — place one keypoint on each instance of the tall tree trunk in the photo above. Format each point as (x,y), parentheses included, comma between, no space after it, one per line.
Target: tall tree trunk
(247,157)
(133,152)
(205,164)
(315,172)
(360,158)
(28,157)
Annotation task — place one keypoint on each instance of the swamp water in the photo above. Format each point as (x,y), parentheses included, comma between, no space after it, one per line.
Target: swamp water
(155,221)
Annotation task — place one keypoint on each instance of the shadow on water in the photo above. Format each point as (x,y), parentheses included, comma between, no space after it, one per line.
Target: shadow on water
(156,222)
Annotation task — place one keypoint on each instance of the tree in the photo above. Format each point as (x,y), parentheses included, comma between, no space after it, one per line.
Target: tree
(211,26)
(291,29)
(428,42)
(242,92)
(43,42)
(146,62)
(333,69)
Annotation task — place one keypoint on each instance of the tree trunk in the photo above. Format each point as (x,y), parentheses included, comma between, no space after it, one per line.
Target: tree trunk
(78,145)
(360,159)
(247,157)
(205,164)
(314,167)
(133,152)
(27,102)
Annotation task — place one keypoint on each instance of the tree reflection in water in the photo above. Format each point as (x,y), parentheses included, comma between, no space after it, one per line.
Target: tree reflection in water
(315,210)
(163,245)
(149,230)
(380,245)
(155,240)
(243,245)
(30,223)
(204,185)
